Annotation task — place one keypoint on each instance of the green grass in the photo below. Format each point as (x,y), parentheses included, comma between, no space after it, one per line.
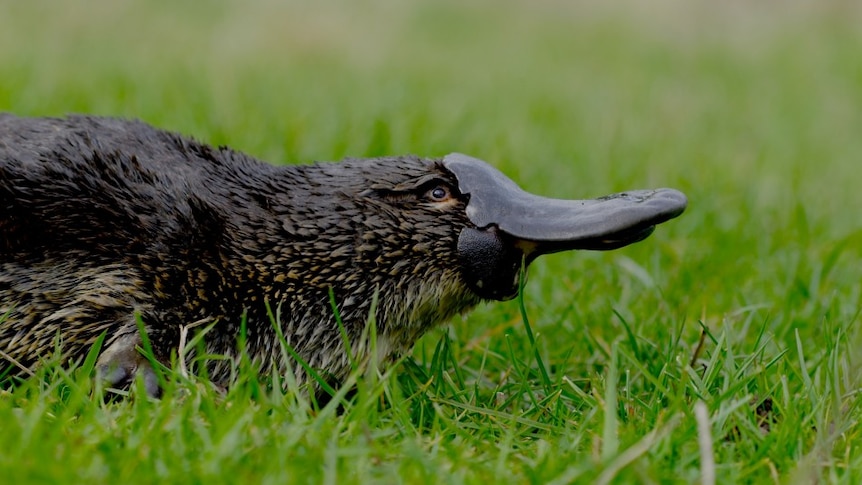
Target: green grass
(753,111)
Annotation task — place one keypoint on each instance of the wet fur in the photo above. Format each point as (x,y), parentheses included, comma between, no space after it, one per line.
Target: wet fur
(102,219)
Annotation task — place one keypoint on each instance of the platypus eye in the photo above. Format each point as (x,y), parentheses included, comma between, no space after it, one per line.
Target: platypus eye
(439,193)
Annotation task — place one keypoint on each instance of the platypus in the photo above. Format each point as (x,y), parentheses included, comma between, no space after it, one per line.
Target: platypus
(105,221)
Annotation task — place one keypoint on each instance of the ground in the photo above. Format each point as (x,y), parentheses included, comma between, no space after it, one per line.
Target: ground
(726,345)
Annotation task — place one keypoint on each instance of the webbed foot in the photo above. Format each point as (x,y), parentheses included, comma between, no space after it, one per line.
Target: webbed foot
(122,362)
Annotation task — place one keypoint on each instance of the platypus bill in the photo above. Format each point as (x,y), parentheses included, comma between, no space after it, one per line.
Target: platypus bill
(104,219)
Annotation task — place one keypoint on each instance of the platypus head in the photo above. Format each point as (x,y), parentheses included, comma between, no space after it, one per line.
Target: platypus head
(460,222)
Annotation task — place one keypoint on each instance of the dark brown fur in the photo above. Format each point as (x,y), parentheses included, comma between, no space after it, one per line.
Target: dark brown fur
(101,219)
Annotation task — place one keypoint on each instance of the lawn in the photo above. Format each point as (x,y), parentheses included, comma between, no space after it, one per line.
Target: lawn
(726,345)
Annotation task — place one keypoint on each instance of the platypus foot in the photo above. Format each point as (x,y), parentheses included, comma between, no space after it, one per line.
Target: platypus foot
(122,362)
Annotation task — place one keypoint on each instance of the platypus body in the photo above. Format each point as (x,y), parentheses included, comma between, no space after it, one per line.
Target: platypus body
(105,220)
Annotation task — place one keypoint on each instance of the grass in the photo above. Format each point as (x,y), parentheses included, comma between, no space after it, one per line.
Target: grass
(725,345)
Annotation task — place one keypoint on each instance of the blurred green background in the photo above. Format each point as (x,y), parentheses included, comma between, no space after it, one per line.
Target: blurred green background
(754,109)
